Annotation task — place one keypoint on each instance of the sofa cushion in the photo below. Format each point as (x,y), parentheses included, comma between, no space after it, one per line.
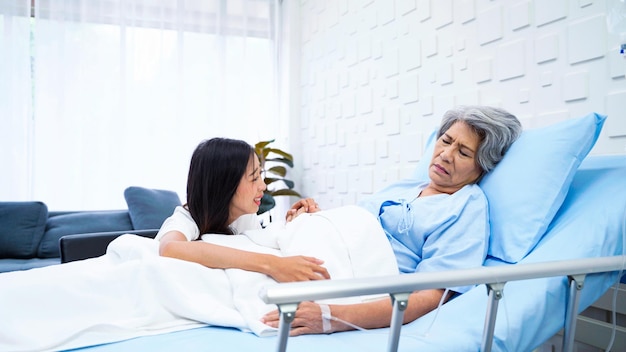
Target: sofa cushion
(22,226)
(7,265)
(148,208)
(81,222)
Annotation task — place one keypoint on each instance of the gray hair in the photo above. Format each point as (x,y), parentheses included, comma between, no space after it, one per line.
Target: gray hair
(496,128)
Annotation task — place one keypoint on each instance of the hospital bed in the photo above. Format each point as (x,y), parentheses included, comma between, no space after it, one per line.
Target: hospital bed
(518,302)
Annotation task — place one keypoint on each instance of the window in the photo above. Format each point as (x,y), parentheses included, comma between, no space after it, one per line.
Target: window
(120,92)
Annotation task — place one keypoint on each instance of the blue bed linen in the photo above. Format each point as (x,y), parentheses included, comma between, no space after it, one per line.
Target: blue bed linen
(591,223)
(213,338)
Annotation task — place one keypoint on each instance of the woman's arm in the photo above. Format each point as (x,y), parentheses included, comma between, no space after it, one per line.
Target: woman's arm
(297,268)
(370,315)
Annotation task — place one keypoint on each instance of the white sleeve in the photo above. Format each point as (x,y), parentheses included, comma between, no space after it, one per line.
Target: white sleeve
(180,221)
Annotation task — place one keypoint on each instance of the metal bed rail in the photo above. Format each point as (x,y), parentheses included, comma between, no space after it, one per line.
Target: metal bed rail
(287,296)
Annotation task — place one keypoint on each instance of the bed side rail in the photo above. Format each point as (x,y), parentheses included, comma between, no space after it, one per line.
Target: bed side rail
(287,296)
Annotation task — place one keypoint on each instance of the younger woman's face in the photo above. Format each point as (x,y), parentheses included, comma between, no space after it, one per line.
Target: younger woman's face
(247,198)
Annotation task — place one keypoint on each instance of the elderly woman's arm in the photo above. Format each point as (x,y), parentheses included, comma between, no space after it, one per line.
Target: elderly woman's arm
(370,315)
(296,268)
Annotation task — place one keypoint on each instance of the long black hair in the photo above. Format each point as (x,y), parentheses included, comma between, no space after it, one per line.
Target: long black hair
(217,165)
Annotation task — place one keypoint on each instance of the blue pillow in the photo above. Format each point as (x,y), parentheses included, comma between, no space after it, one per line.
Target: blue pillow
(529,185)
(22,227)
(421,170)
(148,208)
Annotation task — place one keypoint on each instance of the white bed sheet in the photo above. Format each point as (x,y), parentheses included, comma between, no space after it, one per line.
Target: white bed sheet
(591,223)
(132,291)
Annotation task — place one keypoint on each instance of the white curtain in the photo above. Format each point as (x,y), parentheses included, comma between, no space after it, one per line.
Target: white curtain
(99,95)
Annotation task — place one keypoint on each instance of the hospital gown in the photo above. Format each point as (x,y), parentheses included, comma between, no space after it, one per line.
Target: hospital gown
(434,233)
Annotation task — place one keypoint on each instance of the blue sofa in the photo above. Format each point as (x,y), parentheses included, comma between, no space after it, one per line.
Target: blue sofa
(30,235)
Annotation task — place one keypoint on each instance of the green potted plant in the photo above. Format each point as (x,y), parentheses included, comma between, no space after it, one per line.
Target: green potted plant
(274,176)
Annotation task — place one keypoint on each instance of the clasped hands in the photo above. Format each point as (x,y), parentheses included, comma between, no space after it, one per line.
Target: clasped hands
(308,312)
(306,205)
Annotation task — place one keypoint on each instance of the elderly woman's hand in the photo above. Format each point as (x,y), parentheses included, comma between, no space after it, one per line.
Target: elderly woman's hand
(307,205)
(308,320)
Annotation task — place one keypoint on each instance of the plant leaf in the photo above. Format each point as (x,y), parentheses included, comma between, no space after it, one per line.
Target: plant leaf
(267,203)
(281,160)
(270,180)
(282,153)
(290,184)
(262,144)
(278,170)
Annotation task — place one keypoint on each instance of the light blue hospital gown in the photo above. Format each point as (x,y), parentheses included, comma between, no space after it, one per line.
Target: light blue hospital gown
(433,233)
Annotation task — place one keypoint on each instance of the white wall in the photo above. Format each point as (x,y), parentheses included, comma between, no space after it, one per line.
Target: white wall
(376,75)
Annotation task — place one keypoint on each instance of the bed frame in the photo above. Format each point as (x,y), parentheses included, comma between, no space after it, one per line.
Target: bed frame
(288,296)
(577,262)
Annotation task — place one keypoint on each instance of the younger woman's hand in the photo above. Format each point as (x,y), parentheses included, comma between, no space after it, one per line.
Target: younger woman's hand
(297,268)
(307,205)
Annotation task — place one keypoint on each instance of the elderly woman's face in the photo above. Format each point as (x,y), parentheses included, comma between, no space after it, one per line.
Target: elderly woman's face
(454,159)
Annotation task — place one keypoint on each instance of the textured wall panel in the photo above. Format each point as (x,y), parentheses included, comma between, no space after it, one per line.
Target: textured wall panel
(510,61)
(430,45)
(411,146)
(545,78)
(409,88)
(616,115)
(442,13)
(382,148)
(483,70)
(469,97)
(364,47)
(377,75)
(550,117)
(617,63)
(386,11)
(549,11)
(520,15)
(365,181)
(547,48)
(406,6)
(445,74)
(351,154)
(341,181)
(348,104)
(575,86)
(524,95)
(368,152)
(426,105)
(464,11)
(392,121)
(489,25)
(586,39)
(390,61)
(410,53)
(424,7)
(392,90)
(364,100)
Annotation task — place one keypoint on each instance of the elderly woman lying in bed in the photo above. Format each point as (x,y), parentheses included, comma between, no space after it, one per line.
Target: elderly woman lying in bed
(439,225)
